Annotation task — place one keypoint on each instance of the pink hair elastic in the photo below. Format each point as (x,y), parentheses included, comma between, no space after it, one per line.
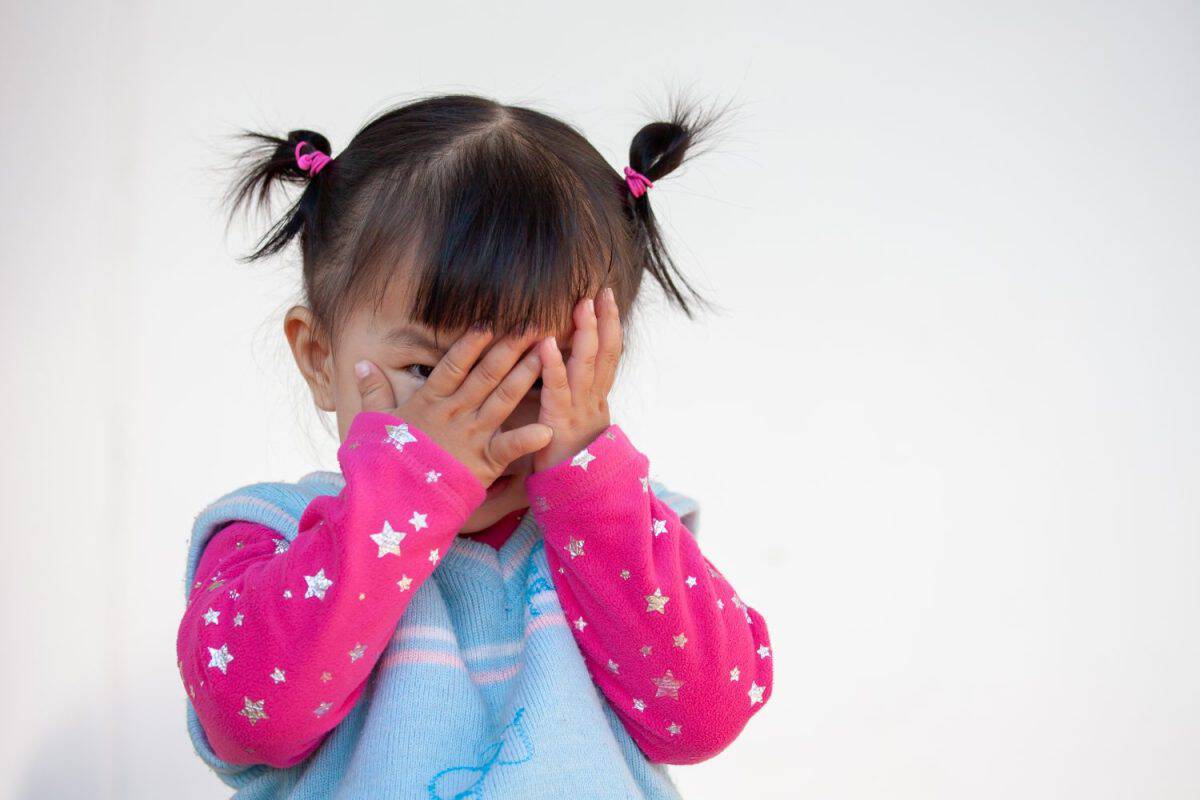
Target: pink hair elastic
(313,162)
(638,183)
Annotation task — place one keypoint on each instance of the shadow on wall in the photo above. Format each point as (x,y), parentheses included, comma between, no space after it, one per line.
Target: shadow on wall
(77,761)
(92,756)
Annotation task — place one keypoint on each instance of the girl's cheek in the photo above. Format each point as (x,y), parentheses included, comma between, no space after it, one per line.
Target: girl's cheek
(403,387)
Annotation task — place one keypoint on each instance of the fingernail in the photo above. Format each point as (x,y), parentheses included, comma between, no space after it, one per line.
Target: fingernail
(608,291)
(554,342)
(591,304)
(362,369)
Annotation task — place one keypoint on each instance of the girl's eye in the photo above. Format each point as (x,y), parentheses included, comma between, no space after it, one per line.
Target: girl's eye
(421,371)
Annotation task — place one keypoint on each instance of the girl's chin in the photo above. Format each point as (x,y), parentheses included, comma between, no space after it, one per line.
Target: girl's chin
(498,502)
(499,487)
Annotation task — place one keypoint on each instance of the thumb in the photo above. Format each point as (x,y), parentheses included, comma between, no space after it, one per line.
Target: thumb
(374,388)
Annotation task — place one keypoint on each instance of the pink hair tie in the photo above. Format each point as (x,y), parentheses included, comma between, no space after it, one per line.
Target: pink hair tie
(313,162)
(638,183)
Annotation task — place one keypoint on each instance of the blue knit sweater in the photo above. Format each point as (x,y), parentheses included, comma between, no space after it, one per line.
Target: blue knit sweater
(428,731)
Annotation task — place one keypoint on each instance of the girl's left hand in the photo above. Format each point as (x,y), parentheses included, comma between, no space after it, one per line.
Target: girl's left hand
(574,397)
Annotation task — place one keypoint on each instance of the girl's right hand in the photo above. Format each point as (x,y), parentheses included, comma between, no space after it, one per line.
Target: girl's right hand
(462,408)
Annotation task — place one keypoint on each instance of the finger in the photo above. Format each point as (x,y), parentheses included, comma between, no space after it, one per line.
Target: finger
(609,333)
(491,369)
(505,448)
(556,391)
(374,389)
(449,373)
(512,389)
(581,367)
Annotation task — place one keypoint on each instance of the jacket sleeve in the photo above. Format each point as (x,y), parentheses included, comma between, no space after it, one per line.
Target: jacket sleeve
(278,639)
(682,659)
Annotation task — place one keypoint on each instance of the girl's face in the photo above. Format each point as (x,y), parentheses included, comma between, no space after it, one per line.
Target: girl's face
(406,352)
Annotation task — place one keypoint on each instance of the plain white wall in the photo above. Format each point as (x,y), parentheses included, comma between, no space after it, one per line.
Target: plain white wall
(944,434)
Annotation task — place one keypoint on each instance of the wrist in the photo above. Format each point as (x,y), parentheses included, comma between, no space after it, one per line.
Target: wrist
(608,460)
(380,442)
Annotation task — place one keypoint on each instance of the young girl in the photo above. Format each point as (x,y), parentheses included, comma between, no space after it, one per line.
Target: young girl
(492,598)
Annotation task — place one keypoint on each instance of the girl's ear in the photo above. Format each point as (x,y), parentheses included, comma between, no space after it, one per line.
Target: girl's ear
(312,353)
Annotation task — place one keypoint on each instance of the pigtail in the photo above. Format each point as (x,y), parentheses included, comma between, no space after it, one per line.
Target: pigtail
(269,162)
(657,150)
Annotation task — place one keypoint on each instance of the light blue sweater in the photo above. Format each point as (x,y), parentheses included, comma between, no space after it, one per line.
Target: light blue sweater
(432,731)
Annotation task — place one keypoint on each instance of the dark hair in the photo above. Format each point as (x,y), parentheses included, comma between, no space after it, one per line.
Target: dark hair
(506,215)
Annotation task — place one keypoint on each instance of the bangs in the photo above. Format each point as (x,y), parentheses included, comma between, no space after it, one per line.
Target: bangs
(497,232)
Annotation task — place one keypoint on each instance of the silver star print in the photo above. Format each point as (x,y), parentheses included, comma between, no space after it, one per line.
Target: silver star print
(755,693)
(418,521)
(321,710)
(574,547)
(434,556)
(735,674)
(691,581)
(680,641)
(220,657)
(233,594)
(660,526)
(388,540)
(667,685)
(646,650)
(582,459)
(432,476)
(657,602)
(399,436)
(675,728)
(326,677)
(281,546)
(210,617)
(317,584)
(639,704)
(287,594)
(357,652)
(763,651)
(624,574)
(404,583)
(237,620)
(612,666)
(278,675)
(645,483)
(580,624)
(253,711)
(720,603)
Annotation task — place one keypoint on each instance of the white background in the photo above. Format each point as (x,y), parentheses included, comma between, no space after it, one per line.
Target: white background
(944,431)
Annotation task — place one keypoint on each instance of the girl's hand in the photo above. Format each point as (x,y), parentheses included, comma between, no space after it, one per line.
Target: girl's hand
(575,396)
(461,408)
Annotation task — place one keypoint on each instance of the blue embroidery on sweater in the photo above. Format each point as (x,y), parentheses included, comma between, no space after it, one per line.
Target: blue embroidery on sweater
(511,747)
(539,584)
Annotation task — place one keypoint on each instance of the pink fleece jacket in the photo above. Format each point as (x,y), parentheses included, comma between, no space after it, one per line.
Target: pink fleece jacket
(598,503)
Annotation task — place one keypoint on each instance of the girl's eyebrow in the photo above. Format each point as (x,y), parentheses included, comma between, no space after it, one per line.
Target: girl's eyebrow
(406,335)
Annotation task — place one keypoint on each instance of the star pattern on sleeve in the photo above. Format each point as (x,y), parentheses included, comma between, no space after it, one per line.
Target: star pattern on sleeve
(398,436)
(211,617)
(221,657)
(317,584)
(667,685)
(582,459)
(388,540)
(253,710)
(574,547)
(657,602)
